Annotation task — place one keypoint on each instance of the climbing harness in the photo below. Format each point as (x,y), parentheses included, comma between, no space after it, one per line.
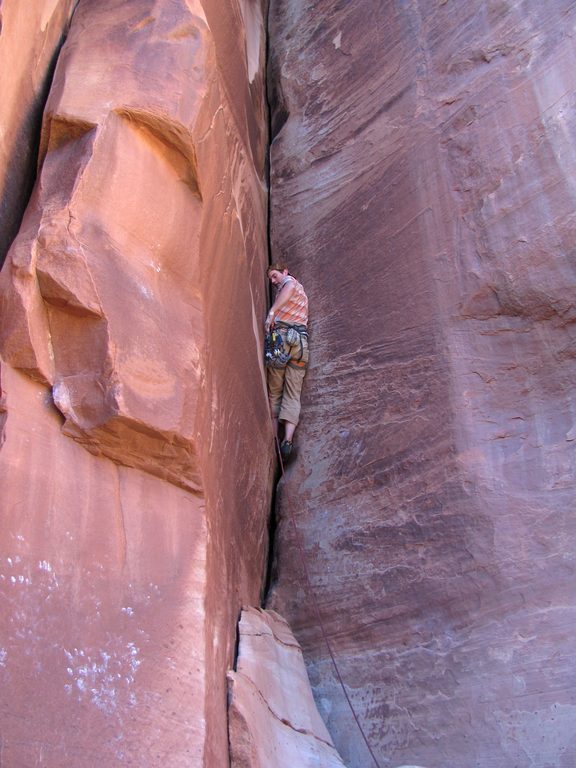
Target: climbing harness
(275,354)
(312,594)
(278,343)
(295,334)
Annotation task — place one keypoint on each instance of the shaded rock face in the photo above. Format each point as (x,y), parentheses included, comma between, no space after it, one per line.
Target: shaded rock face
(273,720)
(422,191)
(132,301)
(30,35)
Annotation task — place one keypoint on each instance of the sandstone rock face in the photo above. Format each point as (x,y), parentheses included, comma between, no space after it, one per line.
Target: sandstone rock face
(273,720)
(134,513)
(30,34)
(422,191)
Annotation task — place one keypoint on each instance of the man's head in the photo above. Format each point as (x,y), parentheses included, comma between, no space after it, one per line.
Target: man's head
(277,273)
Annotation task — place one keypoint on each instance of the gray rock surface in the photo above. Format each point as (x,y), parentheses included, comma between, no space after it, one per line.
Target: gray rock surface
(422,191)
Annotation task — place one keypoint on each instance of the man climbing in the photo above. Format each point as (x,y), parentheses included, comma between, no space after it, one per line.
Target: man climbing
(289,315)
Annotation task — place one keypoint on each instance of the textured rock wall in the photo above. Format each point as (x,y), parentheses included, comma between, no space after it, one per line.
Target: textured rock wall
(422,190)
(30,35)
(134,513)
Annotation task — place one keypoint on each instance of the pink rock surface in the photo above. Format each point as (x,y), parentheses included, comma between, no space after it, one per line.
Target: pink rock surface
(273,719)
(422,177)
(103,580)
(30,35)
(136,462)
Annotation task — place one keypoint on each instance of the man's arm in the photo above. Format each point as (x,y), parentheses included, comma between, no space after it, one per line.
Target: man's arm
(282,299)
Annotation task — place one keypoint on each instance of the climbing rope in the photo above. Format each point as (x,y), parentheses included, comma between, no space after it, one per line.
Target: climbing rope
(312,594)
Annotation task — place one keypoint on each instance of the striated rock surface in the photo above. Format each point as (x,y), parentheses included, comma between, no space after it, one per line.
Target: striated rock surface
(30,35)
(422,191)
(273,720)
(132,301)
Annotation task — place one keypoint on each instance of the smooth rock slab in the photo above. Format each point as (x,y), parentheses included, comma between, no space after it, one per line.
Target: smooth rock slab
(273,720)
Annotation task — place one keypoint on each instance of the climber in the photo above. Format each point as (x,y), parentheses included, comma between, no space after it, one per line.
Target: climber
(289,315)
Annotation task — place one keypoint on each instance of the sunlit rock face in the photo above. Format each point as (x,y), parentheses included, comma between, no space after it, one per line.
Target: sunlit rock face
(423,192)
(273,720)
(30,35)
(136,454)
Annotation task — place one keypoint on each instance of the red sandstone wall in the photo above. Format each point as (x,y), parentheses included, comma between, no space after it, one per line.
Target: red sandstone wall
(136,455)
(422,178)
(423,194)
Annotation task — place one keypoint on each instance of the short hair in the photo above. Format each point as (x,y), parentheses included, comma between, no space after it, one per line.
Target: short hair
(278,267)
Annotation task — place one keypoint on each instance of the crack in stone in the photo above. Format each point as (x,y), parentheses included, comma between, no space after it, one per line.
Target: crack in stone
(295,646)
(280,719)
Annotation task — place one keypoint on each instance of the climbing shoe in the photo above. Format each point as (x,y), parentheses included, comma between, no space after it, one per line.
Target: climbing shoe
(285,450)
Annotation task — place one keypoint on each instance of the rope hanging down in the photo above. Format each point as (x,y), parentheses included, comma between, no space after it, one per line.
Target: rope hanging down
(312,594)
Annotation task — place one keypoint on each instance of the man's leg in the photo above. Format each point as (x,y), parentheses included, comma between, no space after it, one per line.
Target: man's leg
(290,408)
(275,387)
(294,378)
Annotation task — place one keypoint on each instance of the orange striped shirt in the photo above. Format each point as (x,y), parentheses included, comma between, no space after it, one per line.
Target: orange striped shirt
(295,311)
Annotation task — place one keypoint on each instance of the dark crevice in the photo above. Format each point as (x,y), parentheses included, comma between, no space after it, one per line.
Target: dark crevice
(269,108)
(271,563)
(271,92)
(236,644)
(22,169)
(278,112)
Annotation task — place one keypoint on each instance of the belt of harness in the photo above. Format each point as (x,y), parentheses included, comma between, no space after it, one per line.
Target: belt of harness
(304,564)
(294,334)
